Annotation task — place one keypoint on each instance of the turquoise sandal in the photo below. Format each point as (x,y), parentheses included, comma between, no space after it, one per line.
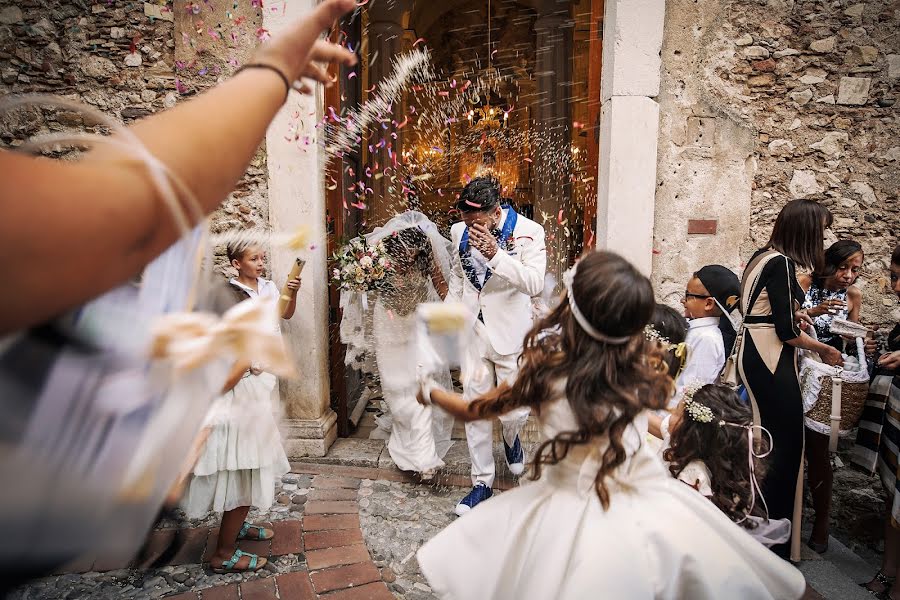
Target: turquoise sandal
(260,532)
(229,565)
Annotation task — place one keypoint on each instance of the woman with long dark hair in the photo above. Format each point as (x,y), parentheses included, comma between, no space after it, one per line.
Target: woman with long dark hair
(830,294)
(771,298)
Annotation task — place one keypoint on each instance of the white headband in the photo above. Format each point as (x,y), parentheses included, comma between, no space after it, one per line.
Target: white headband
(568,279)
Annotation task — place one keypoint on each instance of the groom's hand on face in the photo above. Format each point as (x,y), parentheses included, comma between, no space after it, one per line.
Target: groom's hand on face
(483,240)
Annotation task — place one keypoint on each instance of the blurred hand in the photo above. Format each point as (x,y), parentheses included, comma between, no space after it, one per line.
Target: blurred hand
(483,240)
(831,356)
(294,284)
(828,307)
(803,319)
(890,361)
(296,49)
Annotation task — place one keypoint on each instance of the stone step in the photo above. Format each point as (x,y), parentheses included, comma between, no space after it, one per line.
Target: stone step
(836,574)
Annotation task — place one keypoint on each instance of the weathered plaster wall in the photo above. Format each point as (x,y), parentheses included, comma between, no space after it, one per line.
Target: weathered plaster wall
(128,59)
(766,101)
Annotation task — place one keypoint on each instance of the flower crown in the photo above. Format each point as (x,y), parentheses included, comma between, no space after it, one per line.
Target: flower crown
(696,411)
(653,335)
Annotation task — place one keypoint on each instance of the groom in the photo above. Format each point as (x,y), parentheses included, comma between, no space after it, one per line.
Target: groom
(498,266)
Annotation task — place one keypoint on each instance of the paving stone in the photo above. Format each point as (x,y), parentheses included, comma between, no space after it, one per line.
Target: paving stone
(186,596)
(259,589)
(345,577)
(288,538)
(329,507)
(260,547)
(327,482)
(222,592)
(333,494)
(191,544)
(295,586)
(332,557)
(371,591)
(316,540)
(211,541)
(322,522)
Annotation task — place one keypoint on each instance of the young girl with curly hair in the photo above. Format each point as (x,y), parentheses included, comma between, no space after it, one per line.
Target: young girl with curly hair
(708,447)
(601,516)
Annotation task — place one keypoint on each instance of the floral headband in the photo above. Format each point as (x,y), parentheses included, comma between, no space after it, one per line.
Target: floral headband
(703,414)
(653,335)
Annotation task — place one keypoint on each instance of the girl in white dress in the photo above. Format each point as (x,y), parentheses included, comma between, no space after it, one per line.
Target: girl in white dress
(243,456)
(707,445)
(602,518)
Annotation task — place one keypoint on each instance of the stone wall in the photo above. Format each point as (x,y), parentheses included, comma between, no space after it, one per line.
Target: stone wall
(766,101)
(129,59)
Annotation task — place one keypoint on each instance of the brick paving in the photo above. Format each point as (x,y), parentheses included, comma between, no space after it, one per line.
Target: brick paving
(329,558)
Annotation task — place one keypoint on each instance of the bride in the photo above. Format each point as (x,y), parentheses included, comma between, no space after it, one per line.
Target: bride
(420,435)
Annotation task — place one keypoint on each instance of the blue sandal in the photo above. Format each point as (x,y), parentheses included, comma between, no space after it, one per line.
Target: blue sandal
(261,532)
(229,566)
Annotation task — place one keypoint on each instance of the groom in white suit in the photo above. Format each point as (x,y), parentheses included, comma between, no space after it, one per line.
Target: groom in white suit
(498,265)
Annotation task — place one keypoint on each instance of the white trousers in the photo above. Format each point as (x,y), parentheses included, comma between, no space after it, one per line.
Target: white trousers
(484,369)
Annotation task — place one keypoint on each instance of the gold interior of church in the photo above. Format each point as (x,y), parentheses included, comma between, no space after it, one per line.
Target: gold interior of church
(520,72)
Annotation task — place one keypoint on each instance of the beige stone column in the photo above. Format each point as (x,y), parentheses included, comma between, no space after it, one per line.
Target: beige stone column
(629,126)
(296,197)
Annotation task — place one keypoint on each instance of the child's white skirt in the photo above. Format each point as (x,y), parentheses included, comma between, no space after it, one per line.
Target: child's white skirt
(243,457)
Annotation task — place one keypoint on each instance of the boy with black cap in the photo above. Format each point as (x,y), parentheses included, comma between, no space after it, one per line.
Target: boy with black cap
(710,300)
(498,266)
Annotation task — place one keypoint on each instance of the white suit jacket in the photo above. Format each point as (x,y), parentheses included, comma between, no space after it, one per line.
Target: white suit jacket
(517,274)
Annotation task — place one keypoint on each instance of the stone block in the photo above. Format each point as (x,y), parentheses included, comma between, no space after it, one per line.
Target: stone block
(855,11)
(832,144)
(801,98)
(744,40)
(157,11)
(331,507)
(824,45)
(766,66)
(317,540)
(803,183)
(854,90)
(288,538)
(324,522)
(781,147)
(222,592)
(756,52)
(861,55)
(632,40)
(762,80)
(345,577)
(10,15)
(893,64)
(259,589)
(370,591)
(295,586)
(332,557)
(627,181)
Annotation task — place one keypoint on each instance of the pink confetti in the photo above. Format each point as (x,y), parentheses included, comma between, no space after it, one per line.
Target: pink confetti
(371,89)
(417,42)
(351,75)
(263,34)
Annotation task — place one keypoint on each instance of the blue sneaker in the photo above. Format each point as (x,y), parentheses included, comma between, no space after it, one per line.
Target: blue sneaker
(515,457)
(480,492)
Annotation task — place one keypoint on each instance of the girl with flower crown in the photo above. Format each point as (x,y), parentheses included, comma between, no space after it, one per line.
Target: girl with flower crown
(708,446)
(600,517)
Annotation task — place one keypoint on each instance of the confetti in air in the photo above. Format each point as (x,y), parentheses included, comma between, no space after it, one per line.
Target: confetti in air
(409,68)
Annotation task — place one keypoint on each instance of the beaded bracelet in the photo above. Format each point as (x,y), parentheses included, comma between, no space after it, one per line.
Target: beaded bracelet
(276,70)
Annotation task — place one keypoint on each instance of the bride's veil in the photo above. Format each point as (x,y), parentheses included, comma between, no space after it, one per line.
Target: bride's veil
(356,321)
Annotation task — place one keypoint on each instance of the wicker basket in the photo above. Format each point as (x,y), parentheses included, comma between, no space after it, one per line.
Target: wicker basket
(819,382)
(853,399)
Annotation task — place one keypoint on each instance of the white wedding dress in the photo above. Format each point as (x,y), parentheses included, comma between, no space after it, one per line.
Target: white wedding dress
(551,538)
(385,324)
(420,435)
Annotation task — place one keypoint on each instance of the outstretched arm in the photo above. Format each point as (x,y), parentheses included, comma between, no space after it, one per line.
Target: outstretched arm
(455,404)
(103,209)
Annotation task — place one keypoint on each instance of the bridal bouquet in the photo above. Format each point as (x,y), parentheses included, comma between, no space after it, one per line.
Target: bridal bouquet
(360,267)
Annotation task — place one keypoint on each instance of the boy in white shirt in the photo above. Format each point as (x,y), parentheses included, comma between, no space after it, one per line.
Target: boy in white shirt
(710,297)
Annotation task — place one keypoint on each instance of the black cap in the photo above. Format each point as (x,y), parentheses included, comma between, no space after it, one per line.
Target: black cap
(723,285)
(482,193)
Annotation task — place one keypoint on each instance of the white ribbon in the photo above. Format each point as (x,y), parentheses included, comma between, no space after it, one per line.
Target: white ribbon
(247,331)
(754,485)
